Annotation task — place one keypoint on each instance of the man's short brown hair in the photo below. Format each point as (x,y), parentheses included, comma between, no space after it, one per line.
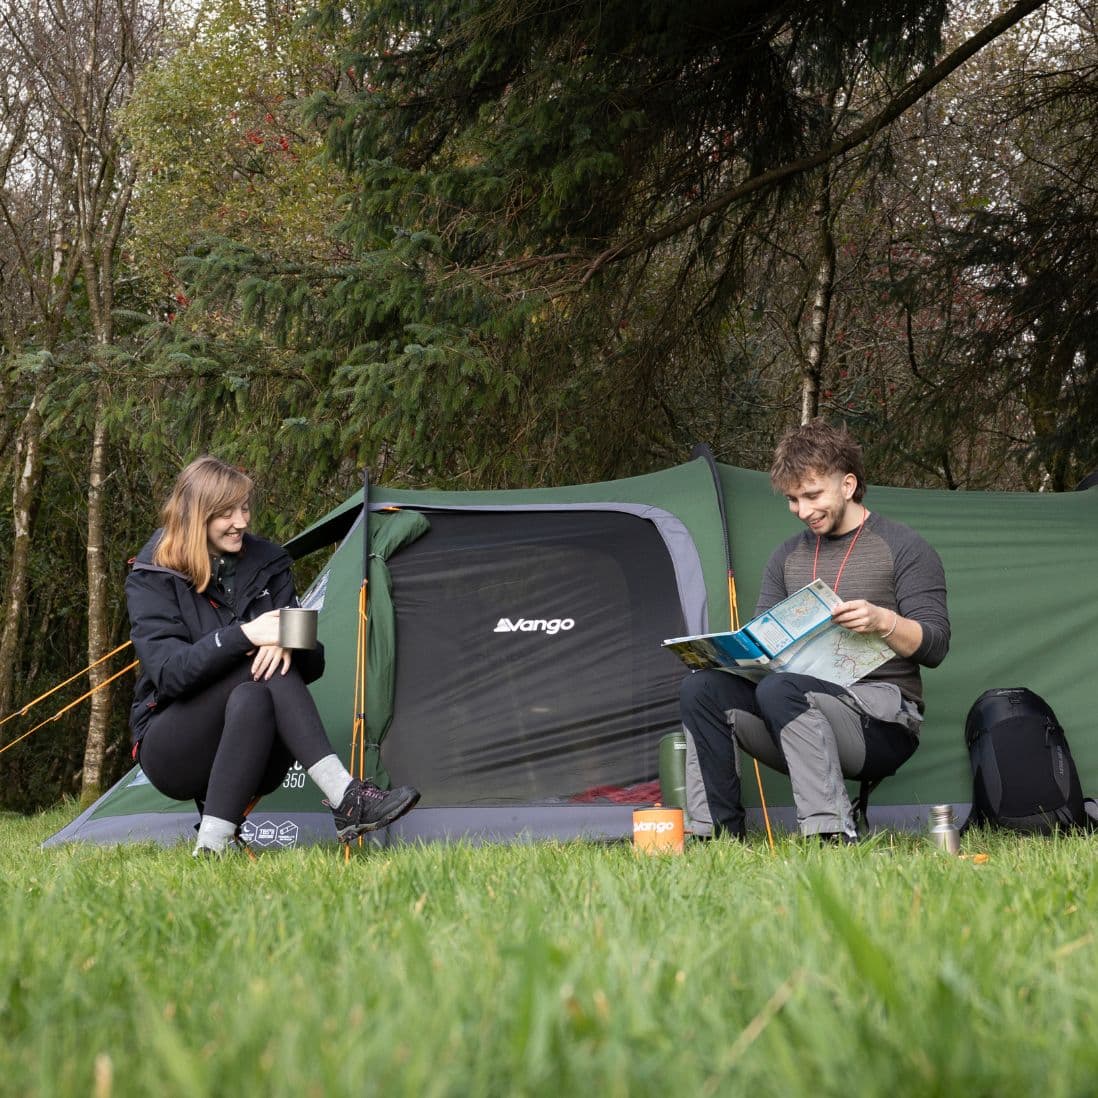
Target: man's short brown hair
(819,449)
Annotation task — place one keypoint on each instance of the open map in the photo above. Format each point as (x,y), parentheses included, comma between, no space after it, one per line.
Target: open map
(796,635)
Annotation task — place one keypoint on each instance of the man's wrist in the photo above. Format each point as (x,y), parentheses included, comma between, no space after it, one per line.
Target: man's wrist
(892,627)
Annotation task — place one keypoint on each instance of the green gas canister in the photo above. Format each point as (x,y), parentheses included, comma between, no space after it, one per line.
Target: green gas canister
(673,769)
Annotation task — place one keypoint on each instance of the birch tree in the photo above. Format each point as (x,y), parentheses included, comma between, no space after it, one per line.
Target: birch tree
(74,63)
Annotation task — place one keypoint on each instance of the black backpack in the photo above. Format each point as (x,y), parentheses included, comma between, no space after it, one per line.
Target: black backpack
(1023,775)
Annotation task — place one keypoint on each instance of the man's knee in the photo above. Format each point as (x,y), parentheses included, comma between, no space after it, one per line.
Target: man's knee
(783,697)
(778,689)
(714,691)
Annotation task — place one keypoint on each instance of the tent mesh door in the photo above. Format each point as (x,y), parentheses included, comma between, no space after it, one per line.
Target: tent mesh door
(529,667)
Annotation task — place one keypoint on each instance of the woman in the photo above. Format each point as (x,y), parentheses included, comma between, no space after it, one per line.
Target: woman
(220,710)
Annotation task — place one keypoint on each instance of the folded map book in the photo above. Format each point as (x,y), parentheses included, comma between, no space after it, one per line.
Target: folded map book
(795,635)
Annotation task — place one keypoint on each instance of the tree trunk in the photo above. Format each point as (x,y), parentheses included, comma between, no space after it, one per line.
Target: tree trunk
(28,475)
(816,355)
(95,745)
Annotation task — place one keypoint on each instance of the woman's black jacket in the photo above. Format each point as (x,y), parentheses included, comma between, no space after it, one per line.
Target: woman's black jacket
(187,639)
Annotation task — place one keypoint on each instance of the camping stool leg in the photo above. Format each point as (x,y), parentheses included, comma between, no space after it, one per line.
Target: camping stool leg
(861,806)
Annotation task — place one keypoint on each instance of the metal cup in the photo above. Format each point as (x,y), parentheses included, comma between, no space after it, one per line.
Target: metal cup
(296,627)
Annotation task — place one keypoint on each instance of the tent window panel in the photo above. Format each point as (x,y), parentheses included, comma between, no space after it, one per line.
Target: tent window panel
(529,666)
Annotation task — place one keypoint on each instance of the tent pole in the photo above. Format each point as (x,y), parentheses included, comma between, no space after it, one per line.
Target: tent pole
(365,617)
(358,734)
(701,450)
(358,727)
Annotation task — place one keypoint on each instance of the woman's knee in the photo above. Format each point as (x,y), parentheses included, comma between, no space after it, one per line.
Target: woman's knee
(289,689)
(250,705)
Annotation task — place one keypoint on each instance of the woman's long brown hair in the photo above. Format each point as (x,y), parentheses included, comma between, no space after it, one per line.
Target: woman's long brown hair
(205,488)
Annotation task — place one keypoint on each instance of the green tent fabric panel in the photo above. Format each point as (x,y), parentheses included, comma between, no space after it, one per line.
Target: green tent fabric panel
(1023,599)
(136,795)
(758,521)
(388,534)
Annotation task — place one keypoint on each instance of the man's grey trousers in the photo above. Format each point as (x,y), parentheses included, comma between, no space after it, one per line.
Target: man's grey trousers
(814,731)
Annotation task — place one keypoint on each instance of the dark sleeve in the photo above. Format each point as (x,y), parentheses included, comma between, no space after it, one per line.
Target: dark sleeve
(309,662)
(773,588)
(175,664)
(921,596)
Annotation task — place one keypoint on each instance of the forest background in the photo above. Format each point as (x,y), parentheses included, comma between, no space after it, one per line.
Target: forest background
(486,244)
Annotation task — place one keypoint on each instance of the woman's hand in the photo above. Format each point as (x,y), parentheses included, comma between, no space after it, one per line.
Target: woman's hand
(263,633)
(262,630)
(266,661)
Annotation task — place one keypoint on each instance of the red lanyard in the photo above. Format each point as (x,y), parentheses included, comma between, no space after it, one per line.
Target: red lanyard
(850,549)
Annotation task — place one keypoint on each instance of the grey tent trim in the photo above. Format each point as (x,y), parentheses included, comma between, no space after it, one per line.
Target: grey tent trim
(676,538)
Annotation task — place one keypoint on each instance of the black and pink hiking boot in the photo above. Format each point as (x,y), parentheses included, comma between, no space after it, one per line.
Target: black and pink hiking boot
(365,808)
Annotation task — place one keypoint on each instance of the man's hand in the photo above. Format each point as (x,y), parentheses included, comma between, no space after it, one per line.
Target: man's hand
(860,616)
(902,635)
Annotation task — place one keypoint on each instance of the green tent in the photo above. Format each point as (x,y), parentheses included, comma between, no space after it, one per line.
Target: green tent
(516,674)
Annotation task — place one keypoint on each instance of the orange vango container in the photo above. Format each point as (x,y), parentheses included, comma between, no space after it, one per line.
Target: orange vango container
(657,830)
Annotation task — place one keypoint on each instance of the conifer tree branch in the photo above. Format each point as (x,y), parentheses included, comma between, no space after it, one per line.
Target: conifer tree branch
(911,94)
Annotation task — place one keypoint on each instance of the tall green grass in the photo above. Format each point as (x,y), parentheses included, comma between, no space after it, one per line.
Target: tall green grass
(886,969)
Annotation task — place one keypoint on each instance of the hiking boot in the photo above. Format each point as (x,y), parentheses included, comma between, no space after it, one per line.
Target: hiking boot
(836,838)
(366,808)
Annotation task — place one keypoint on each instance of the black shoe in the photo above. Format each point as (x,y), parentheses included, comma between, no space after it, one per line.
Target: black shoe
(366,808)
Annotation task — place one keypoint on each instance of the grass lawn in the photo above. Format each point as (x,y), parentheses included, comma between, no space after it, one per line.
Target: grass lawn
(885,969)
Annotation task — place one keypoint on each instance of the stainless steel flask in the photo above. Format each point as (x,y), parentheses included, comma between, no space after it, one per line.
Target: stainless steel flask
(944,830)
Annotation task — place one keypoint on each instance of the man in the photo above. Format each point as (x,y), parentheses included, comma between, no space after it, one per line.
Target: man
(893,585)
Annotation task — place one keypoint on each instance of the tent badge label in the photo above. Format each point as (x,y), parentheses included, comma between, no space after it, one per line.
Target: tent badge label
(269,833)
(535,625)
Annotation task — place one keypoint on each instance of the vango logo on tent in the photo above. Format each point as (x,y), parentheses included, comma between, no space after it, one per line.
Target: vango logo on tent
(535,625)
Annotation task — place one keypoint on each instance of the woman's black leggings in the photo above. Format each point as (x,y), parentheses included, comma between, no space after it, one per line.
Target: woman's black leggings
(233,741)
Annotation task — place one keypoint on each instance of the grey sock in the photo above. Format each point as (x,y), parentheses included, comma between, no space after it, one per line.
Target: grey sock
(214,833)
(332,777)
